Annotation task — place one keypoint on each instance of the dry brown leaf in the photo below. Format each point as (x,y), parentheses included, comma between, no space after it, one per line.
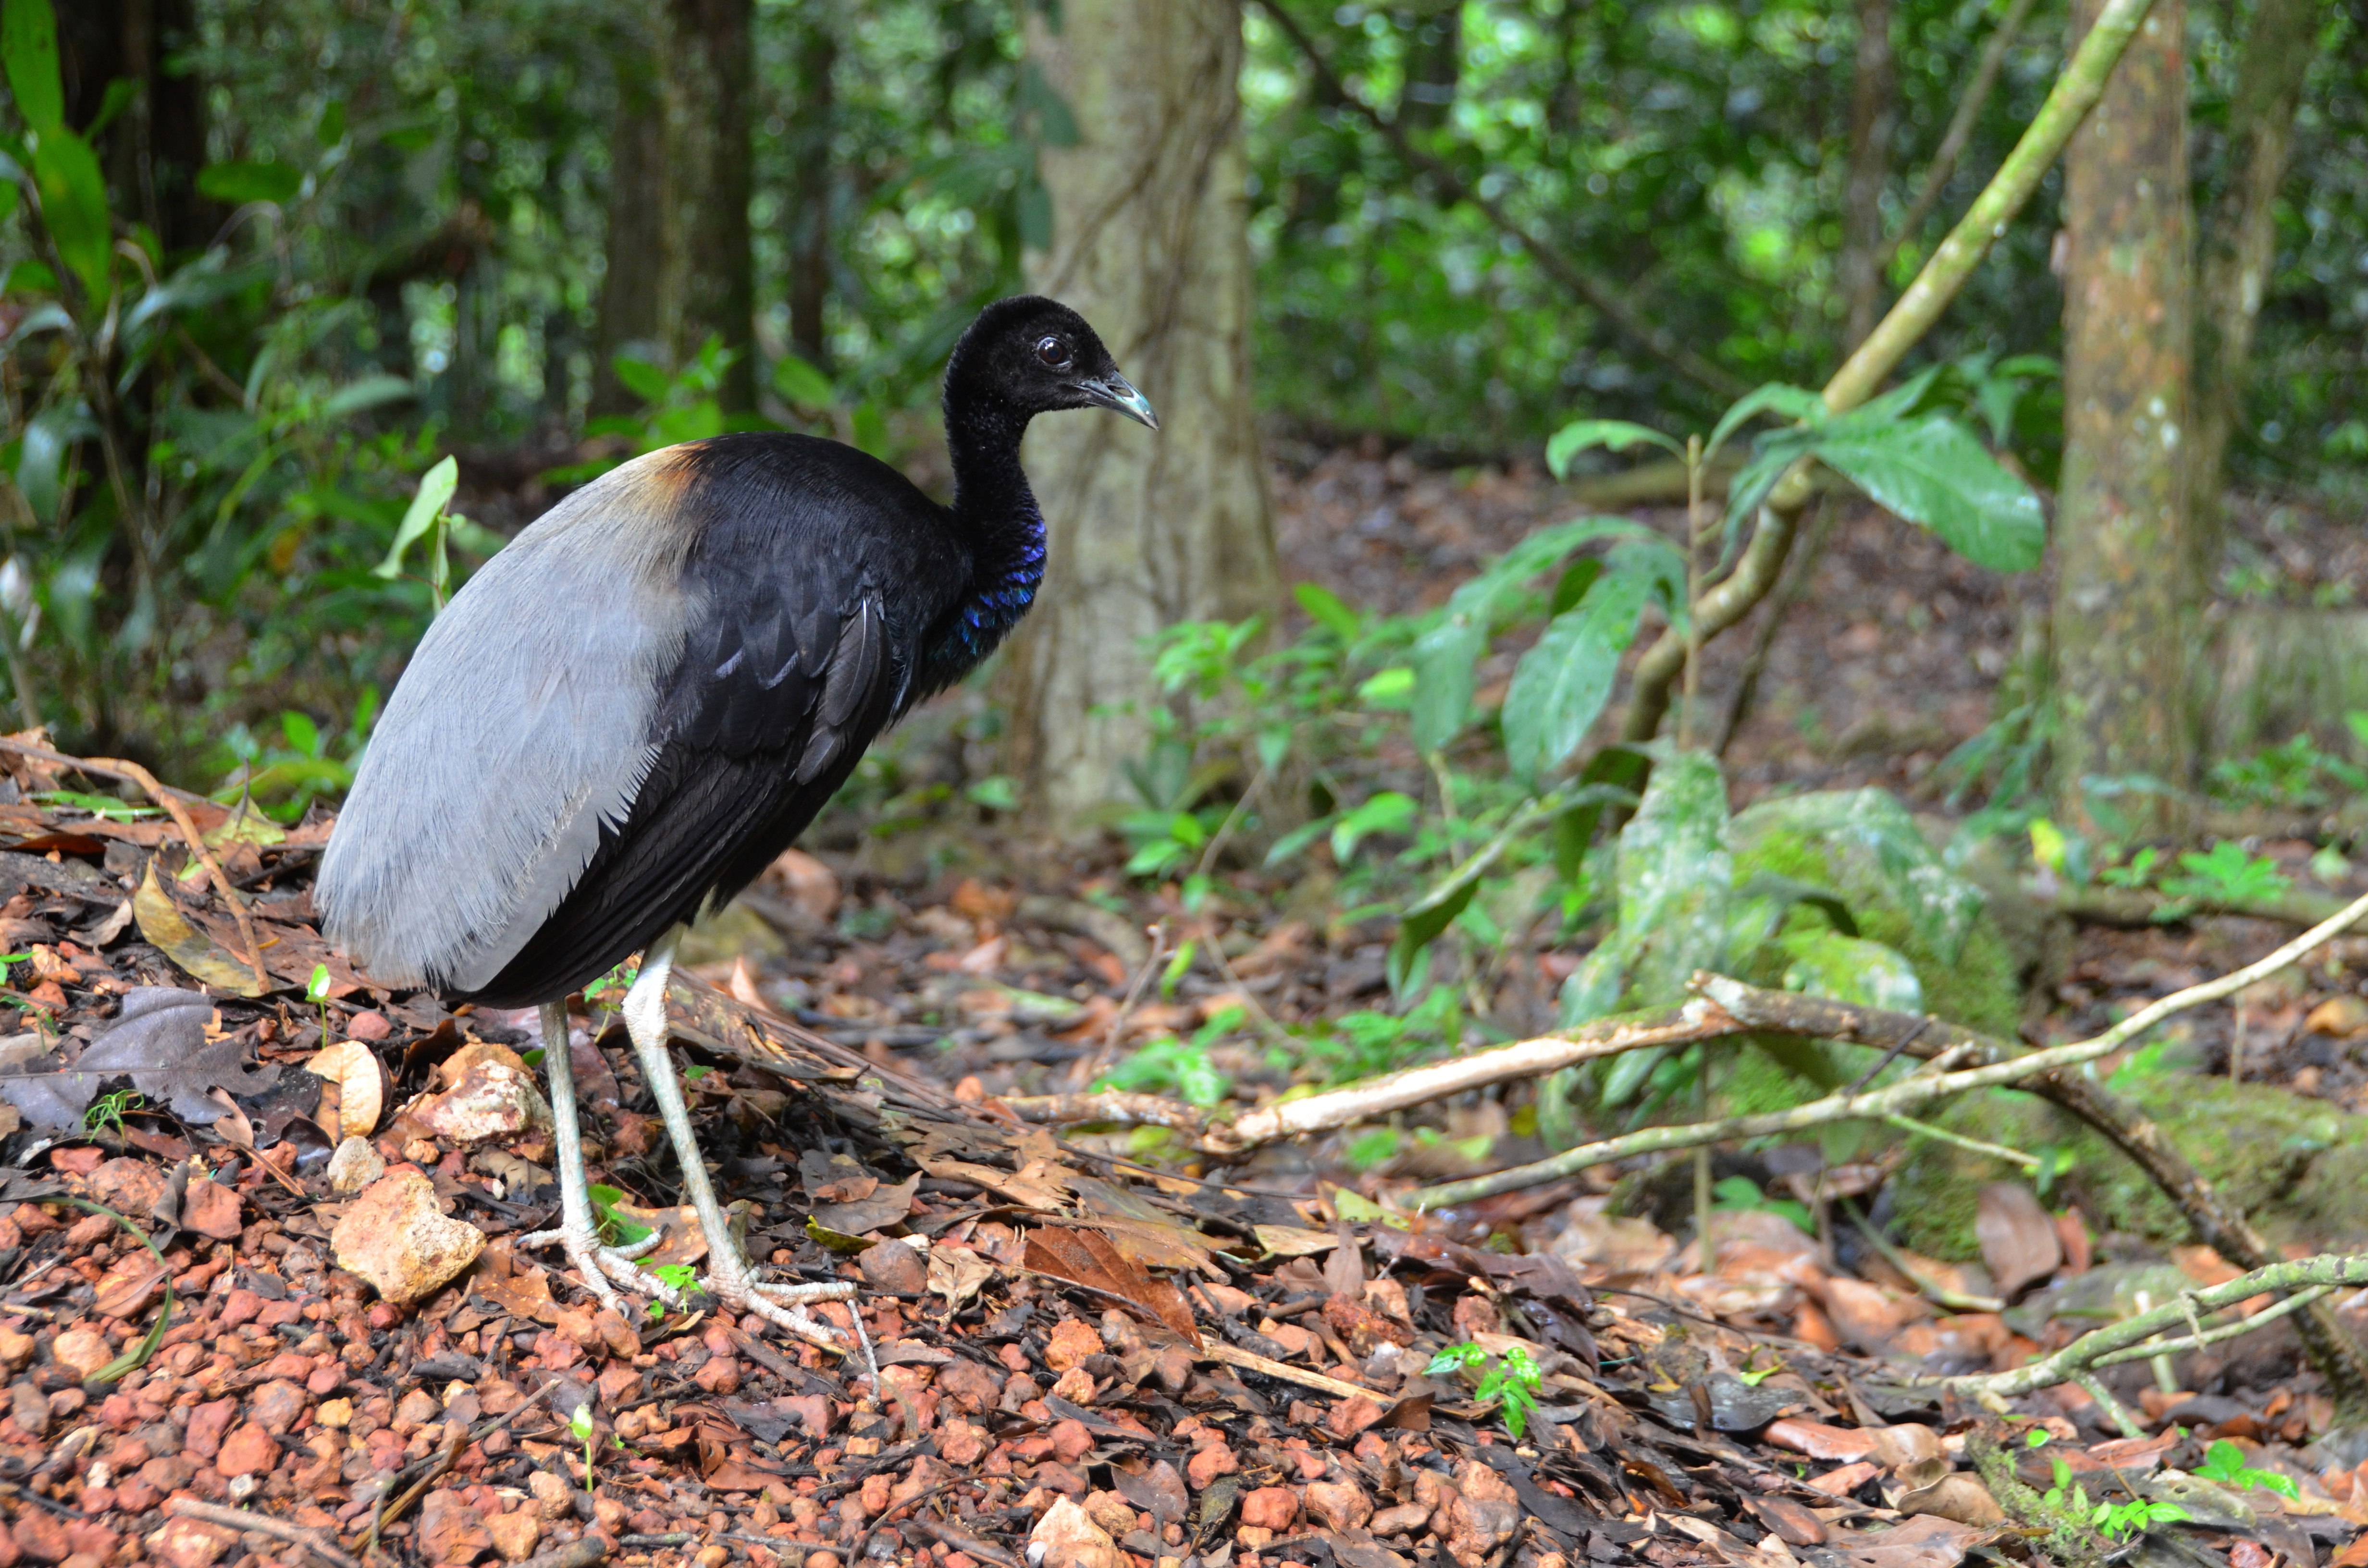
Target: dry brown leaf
(1086,1258)
(2017,1237)
(361,1084)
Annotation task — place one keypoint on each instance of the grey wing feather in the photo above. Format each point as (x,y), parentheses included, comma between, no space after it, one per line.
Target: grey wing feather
(521,725)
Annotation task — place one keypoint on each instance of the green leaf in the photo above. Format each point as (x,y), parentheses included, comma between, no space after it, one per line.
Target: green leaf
(1613,435)
(28,43)
(239,183)
(1325,608)
(332,128)
(436,487)
(303,736)
(1934,473)
(640,377)
(73,206)
(799,383)
(1391,688)
(370,392)
(1561,684)
(870,428)
(1793,402)
(1388,811)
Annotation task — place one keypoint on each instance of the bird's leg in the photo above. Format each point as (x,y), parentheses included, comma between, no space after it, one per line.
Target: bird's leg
(729,1276)
(576,1233)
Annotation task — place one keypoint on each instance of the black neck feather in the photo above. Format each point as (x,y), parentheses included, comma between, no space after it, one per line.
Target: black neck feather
(996,512)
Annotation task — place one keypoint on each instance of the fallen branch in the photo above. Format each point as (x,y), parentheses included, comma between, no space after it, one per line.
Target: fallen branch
(1894,1099)
(2137,908)
(1123,1110)
(171,801)
(2076,91)
(313,1541)
(2133,1338)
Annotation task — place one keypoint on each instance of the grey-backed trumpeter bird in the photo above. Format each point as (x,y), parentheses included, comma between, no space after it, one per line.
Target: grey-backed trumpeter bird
(629,711)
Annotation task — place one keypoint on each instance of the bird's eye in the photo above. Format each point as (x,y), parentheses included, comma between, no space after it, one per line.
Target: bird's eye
(1053,352)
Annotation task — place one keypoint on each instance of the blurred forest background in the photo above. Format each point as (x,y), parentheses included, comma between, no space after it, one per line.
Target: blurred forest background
(275,259)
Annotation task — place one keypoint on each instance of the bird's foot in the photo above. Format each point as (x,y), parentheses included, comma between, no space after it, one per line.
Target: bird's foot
(597,1264)
(732,1280)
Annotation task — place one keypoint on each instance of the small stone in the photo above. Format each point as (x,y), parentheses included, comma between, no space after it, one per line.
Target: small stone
(1071,1341)
(1338,1505)
(1070,1539)
(41,1536)
(1075,1385)
(490,1099)
(718,1375)
(239,1307)
(449,1530)
(248,1451)
(30,1408)
(1209,1463)
(514,1535)
(16,1349)
(334,1413)
(84,1350)
(961,1443)
(417,1408)
(129,1187)
(894,1267)
(553,1498)
(185,1543)
(1403,1519)
(207,1422)
(1271,1508)
(355,1165)
(395,1236)
(211,1209)
(368,1027)
(1071,1442)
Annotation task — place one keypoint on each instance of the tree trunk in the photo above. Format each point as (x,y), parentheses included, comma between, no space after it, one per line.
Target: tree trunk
(1151,243)
(680,269)
(636,243)
(709,287)
(810,220)
(1875,113)
(152,152)
(2127,606)
(2239,246)
(1434,67)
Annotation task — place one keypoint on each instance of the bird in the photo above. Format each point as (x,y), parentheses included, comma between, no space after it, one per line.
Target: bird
(631,708)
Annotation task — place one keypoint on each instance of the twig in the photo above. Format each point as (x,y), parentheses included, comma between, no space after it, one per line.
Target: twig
(133,773)
(313,1541)
(1953,140)
(1916,1129)
(2326,1272)
(387,1514)
(2076,91)
(1617,305)
(1234,1356)
(1956,1300)
(2200,1336)
(1126,1110)
(1898,1097)
(857,1555)
(1133,993)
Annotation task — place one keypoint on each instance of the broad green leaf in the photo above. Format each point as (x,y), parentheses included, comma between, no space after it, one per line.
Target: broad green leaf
(1325,608)
(370,392)
(1793,402)
(1676,876)
(799,383)
(640,377)
(239,183)
(28,43)
(870,428)
(1561,684)
(436,487)
(40,458)
(1613,435)
(73,206)
(332,128)
(1934,473)
(1388,811)
(1392,687)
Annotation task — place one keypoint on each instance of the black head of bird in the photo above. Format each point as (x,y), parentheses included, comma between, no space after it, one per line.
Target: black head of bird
(623,717)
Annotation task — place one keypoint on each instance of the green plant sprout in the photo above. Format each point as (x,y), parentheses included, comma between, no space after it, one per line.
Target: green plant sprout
(2227,875)
(316,991)
(2223,1462)
(1511,1380)
(674,1276)
(108,1110)
(615,1229)
(580,1423)
(1752,1375)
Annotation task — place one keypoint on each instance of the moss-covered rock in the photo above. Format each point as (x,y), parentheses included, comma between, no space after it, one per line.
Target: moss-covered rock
(2297,1166)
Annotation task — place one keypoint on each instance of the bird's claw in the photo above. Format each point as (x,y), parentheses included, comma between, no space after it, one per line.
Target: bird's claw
(596,1264)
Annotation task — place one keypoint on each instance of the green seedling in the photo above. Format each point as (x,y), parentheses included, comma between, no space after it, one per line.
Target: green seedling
(1511,1380)
(1751,1375)
(316,991)
(580,1423)
(2122,1521)
(108,1110)
(2223,1462)
(674,1276)
(615,1229)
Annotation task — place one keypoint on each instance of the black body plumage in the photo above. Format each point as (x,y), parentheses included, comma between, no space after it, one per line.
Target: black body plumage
(772,603)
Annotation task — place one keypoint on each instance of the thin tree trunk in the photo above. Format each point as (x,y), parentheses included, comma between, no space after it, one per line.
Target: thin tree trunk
(1434,67)
(1875,112)
(2238,246)
(709,286)
(809,241)
(2127,610)
(636,243)
(1151,243)
(152,152)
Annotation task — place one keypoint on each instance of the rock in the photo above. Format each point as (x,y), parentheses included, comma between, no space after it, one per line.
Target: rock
(1271,1508)
(1483,1515)
(248,1451)
(1075,1385)
(514,1535)
(335,1414)
(395,1237)
(553,1498)
(718,1375)
(368,1026)
(1114,1513)
(211,1209)
(1071,1442)
(417,1408)
(1338,1505)
(84,1350)
(41,1536)
(1351,1417)
(961,1443)
(30,1408)
(276,1405)
(128,1187)
(16,1349)
(1404,1518)
(893,1265)
(355,1165)
(1207,1464)
(207,1422)
(449,1530)
(1159,1492)
(1069,1537)
(490,1098)
(185,1543)
(1071,1341)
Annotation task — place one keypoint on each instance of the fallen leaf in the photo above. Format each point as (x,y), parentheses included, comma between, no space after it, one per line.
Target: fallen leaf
(957,1274)
(1086,1258)
(158,1038)
(1289,1241)
(882,1207)
(361,1084)
(1924,1541)
(169,928)
(2017,1237)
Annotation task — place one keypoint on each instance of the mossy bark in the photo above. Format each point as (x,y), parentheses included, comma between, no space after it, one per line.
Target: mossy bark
(2127,607)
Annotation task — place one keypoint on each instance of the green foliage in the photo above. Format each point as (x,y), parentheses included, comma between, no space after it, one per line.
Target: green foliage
(1180,1067)
(675,1276)
(1511,1380)
(1741,1193)
(2223,1462)
(2296,774)
(614,1228)
(2227,875)
(108,1110)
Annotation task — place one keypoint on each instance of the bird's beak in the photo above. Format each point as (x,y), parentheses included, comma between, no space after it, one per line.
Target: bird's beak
(1115,392)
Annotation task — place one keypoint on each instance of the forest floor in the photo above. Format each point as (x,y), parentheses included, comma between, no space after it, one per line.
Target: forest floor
(1036,1390)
